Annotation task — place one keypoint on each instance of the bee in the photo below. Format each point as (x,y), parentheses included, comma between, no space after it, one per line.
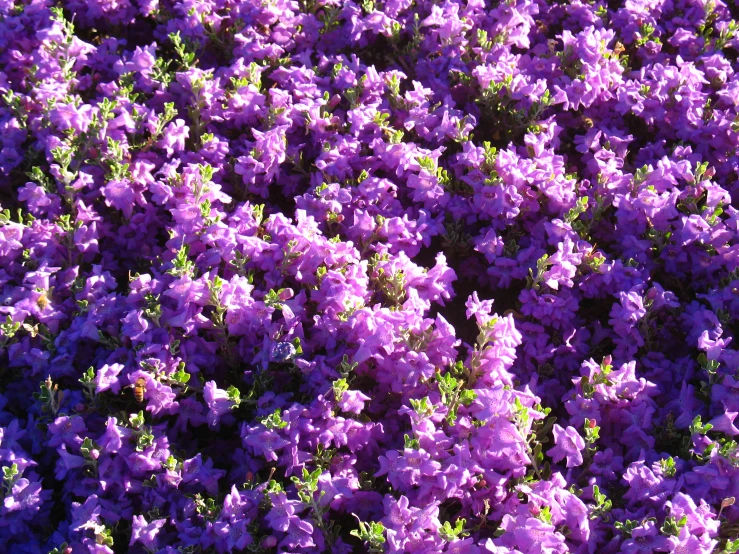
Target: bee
(42,301)
(139,389)
(514,313)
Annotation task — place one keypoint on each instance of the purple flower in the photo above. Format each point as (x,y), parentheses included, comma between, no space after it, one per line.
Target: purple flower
(112,439)
(174,137)
(606,464)
(569,444)
(24,496)
(480,309)
(219,402)
(353,401)
(415,465)
(135,326)
(646,538)
(120,195)
(234,534)
(531,535)
(161,398)
(299,534)
(195,471)
(106,378)
(189,410)
(68,431)
(398,514)
(563,265)
(144,532)
(265,443)
(725,423)
(141,61)
(67,462)
(282,511)
(700,517)
(87,515)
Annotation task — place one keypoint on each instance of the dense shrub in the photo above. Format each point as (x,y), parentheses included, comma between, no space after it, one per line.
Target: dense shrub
(399,276)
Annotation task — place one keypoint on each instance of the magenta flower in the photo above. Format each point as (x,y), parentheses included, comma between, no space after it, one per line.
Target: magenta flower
(174,137)
(568,444)
(120,195)
(266,443)
(219,402)
(295,221)
(353,401)
(646,538)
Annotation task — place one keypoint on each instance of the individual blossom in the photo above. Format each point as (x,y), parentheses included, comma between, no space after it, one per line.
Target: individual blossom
(725,423)
(189,411)
(234,534)
(283,511)
(563,265)
(480,309)
(68,431)
(174,137)
(25,496)
(86,515)
(265,442)
(531,535)
(353,401)
(195,470)
(568,444)
(120,194)
(145,532)
(106,378)
(219,402)
(299,534)
(646,538)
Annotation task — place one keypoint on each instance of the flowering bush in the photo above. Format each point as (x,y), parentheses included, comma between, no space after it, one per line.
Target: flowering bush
(391,276)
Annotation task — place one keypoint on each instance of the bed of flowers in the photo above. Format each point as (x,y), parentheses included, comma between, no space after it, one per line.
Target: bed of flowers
(307,276)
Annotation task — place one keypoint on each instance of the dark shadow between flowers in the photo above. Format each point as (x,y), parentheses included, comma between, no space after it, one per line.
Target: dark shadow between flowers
(454,310)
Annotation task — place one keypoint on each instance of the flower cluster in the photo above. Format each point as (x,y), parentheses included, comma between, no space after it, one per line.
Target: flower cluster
(301,276)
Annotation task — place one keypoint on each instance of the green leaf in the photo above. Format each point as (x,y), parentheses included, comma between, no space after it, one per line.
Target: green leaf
(422,407)
(181,376)
(234,395)
(449,533)
(10,472)
(340,386)
(467,397)
(137,420)
(371,533)
(274,420)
